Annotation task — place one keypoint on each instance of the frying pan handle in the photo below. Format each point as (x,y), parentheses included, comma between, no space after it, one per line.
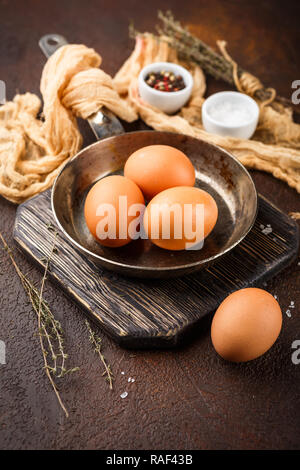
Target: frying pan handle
(51,42)
(103,123)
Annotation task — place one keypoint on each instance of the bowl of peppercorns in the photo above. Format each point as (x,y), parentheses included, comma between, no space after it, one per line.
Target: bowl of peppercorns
(165,86)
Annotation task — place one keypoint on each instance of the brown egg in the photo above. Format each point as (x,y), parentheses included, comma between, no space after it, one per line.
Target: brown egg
(103,205)
(158,167)
(160,210)
(246,324)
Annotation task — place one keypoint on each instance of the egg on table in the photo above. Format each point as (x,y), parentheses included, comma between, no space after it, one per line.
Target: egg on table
(113,210)
(180,218)
(246,324)
(158,167)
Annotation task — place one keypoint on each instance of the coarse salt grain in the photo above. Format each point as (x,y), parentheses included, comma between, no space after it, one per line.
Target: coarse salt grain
(122,373)
(288,312)
(227,112)
(124,395)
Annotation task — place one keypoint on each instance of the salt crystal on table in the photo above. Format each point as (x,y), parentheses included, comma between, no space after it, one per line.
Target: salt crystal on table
(132,380)
(129,380)
(124,395)
(122,373)
(288,312)
(267,230)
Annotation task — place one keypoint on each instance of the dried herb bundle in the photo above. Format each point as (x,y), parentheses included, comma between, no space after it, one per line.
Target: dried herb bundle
(49,329)
(191,48)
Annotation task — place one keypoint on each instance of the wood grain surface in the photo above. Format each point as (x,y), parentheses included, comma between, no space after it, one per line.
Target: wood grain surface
(187,398)
(155,313)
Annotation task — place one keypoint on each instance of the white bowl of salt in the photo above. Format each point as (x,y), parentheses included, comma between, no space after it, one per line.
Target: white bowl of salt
(230,113)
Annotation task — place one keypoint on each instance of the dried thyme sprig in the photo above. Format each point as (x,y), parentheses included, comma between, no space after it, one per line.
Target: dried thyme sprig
(46,319)
(192,48)
(96,342)
(50,330)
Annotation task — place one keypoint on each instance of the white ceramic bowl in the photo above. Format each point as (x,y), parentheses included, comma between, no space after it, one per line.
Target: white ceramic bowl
(242,114)
(169,102)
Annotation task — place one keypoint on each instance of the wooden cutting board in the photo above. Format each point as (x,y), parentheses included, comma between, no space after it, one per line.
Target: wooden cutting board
(156,313)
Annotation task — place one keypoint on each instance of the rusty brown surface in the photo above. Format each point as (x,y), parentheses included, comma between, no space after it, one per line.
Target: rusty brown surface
(184,399)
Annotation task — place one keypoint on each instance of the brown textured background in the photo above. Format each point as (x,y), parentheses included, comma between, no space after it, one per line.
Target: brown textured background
(184,399)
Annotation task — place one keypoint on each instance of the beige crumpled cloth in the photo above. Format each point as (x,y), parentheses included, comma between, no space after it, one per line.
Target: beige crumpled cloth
(32,151)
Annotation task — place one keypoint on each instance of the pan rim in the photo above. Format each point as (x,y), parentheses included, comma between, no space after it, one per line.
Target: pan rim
(105,261)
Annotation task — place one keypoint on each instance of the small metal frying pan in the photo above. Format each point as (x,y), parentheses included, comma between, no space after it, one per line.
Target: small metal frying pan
(217,171)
